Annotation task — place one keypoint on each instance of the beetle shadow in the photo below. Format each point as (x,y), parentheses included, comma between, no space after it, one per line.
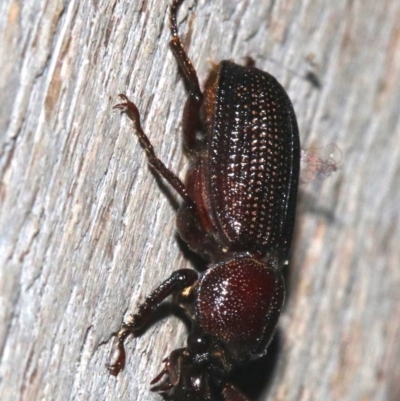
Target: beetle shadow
(255,378)
(307,202)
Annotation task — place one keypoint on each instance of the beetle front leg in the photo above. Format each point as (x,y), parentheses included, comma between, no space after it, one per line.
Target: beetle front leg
(175,284)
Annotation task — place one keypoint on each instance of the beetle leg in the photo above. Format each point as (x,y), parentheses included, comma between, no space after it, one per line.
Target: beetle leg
(191,124)
(231,393)
(182,58)
(162,373)
(178,282)
(249,61)
(132,112)
(191,115)
(172,370)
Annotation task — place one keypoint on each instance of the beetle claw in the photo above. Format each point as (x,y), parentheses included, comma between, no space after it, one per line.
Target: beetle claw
(159,376)
(129,108)
(117,358)
(231,393)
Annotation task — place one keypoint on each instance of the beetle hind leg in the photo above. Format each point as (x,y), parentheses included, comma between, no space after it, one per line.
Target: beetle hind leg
(181,56)
(191,116)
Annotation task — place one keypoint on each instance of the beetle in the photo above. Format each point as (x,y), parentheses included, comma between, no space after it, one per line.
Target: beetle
(237,212)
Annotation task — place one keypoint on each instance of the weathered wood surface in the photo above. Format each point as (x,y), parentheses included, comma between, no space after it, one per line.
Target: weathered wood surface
(86,231)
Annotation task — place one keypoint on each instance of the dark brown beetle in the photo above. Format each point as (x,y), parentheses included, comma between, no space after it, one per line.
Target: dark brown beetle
(238,212)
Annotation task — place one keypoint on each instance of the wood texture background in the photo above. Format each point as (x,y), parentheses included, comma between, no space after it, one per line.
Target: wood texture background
(86,231)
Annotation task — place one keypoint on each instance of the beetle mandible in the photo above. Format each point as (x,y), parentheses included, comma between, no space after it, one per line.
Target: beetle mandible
(237,212)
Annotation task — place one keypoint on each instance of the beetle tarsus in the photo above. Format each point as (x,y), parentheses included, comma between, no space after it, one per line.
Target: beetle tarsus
(117,356)
(117,359)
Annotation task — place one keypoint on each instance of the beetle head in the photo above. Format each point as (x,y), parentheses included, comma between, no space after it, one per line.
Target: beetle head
(193,373)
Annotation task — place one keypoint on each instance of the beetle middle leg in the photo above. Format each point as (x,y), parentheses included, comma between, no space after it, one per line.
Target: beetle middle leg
(176,284)
(133,113)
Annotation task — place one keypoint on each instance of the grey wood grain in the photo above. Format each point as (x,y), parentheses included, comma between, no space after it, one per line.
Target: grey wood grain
(85,232)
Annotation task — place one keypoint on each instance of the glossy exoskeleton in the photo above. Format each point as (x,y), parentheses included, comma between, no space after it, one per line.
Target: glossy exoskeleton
(237,212)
